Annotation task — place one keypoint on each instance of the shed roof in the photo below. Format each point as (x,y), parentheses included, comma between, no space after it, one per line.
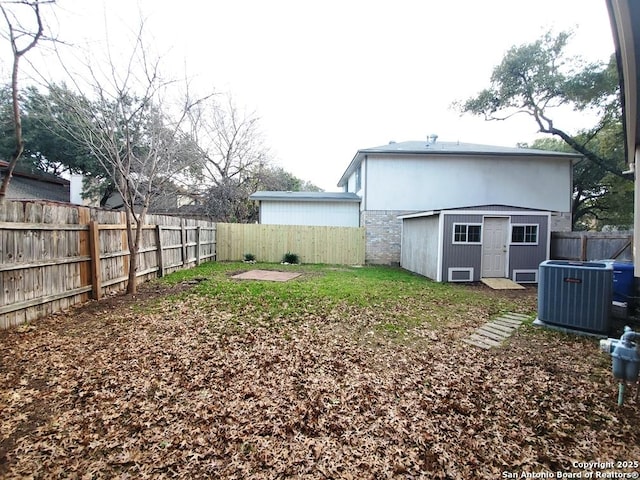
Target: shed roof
(451,148)
(475,209)
(305,196)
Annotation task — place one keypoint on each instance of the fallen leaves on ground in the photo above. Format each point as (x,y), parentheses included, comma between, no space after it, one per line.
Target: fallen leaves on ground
(108,391)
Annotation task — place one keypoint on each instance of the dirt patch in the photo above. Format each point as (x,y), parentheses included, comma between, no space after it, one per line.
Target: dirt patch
(268,275)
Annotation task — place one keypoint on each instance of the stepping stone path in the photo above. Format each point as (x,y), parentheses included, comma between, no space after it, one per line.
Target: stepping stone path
(493,333)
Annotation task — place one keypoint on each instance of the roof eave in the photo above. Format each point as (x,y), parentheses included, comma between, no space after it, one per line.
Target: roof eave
(525,153)
(625,16)
(357,159)
(284,197)
(306,200)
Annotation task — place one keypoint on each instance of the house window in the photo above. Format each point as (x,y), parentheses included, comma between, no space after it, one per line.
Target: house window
(467,233)
(358,178)
(524,234)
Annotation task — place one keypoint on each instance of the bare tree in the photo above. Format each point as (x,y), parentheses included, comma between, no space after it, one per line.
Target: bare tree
(22,39)
(231,153)
(134,131)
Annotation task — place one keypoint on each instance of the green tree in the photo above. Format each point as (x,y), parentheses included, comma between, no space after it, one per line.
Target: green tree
(48,144)
(599,197)
(278,179)
(537,79)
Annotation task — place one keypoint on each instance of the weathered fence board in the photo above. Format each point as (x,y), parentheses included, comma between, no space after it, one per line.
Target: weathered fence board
(53,256)
(332,245)
(586,246)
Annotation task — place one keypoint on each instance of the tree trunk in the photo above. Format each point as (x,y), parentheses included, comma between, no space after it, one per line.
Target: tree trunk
(17,124)
(589,155)
(133,241)
(17,121)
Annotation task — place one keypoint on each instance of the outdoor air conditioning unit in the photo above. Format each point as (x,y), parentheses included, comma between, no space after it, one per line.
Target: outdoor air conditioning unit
(575,295)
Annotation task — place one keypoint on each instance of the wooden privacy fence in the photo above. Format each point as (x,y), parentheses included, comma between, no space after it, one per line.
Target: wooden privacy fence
(312,244)
(53,256)
(585,246)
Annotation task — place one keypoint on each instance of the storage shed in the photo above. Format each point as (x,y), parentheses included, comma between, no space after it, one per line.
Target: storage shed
(333,209)
(471,243)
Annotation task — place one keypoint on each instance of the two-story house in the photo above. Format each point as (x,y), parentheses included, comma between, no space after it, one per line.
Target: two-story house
(456,211)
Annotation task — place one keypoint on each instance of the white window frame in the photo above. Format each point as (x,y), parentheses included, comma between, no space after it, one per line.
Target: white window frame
(458,242)
(525,225)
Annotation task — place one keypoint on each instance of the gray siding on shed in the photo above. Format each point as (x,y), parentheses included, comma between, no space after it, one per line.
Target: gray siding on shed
(420,245)
(528,257)
(460,255)
(521,258)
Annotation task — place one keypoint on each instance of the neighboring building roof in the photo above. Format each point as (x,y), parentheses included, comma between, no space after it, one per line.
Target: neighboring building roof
(305,196)
(450,148)
(21,188)
(28,185)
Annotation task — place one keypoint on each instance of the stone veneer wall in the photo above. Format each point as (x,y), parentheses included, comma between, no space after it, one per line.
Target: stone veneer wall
(383,232)
(561,222)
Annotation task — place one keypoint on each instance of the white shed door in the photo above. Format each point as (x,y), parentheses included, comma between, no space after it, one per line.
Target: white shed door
(494,247)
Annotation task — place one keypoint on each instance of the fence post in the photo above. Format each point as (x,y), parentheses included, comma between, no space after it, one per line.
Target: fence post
(583,248)
(214,237)
(183,237)
(198,245)
(159,250)
(94,250)
(619,251)
(84,218)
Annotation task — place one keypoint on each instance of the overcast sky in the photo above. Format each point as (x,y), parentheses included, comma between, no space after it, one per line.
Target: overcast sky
(330,77)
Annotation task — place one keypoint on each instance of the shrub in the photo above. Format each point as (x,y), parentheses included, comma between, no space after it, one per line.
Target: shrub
(249,258)
(290,258)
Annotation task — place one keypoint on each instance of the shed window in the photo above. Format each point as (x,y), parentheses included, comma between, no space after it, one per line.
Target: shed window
(466,233)
(527,234)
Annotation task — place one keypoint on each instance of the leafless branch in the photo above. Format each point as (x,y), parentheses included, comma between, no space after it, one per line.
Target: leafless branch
(15,36)
(133,129)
